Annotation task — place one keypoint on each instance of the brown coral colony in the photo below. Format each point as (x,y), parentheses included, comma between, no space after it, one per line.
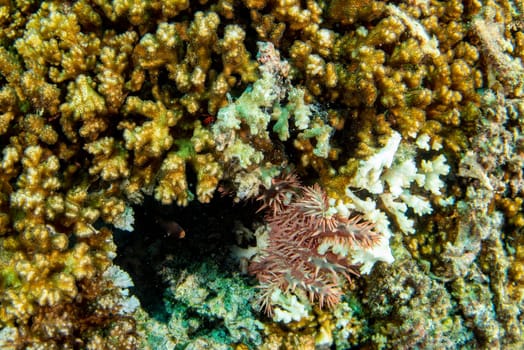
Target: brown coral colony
(105,104)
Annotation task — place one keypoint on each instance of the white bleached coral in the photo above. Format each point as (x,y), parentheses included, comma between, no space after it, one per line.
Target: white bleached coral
(289,308)
(122,281)
(402,182)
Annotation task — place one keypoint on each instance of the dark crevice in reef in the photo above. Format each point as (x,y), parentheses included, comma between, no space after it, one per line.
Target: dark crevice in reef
(208,234)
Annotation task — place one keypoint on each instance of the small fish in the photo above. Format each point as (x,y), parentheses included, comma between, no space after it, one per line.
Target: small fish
(171,228)
(208,119)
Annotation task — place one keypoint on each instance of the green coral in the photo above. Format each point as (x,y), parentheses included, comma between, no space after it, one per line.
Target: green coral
(207,306)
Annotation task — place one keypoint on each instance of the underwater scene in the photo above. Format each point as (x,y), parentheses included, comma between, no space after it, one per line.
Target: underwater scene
(261,174)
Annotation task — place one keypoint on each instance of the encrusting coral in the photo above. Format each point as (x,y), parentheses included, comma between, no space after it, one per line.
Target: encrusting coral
(103,103)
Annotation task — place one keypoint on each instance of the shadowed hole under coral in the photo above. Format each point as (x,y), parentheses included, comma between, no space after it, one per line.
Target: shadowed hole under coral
(158,241)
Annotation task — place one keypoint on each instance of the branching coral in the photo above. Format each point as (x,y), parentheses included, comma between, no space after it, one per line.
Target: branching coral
(99,319)
(104,102)
(242,130)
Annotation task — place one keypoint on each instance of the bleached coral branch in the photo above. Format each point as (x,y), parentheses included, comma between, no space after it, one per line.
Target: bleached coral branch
(369,172)
(428,45)
(391,176)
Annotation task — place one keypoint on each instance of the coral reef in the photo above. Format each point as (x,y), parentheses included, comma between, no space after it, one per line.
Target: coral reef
(407,113)
(225,301)
(393,178)
(400,305)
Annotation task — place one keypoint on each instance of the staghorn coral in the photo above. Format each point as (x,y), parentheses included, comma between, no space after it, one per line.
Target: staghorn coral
(398,182)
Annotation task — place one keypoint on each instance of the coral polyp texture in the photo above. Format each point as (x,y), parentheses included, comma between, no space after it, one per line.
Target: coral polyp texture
(402,118)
